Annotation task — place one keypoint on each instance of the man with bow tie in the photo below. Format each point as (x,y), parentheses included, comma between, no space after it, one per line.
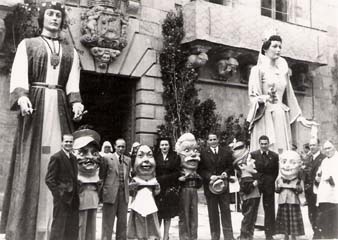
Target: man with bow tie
(216,163)
(267,172)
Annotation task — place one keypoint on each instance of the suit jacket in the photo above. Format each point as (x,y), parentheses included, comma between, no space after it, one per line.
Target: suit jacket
(310,171)
(109,174)
(212,164)
(267,172)
(61,178)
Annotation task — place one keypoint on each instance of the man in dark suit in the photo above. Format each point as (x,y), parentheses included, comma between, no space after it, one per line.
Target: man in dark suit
(61,179)
(267,171)
(310,170)
(216,161)
(114,173)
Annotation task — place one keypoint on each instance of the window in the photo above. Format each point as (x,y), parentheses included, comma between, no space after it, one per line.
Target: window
(294,11)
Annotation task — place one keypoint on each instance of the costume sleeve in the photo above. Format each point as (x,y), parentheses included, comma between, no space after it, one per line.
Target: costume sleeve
(292,102)
(19,77)
(73,84)
(256,97)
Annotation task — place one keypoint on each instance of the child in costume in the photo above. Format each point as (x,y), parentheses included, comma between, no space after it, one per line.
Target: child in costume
(187,148)
(86,146)
(143,220)
(249,191)
(289,219)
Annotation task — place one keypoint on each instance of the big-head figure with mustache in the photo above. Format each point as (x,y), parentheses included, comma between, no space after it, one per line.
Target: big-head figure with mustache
(187,148)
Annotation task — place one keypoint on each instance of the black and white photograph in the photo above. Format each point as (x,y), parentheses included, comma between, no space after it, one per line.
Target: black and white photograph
(168,119)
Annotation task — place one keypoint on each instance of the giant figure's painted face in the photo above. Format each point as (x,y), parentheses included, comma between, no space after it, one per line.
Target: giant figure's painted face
(189,155)
(289,164)
(144,163)
(249,166)
(88,159)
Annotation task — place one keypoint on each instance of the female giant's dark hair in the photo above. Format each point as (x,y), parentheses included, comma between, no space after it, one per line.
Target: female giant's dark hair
(267,43)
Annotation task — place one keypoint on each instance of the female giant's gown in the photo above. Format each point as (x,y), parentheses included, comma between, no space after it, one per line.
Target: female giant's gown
(28,204)
(272,119)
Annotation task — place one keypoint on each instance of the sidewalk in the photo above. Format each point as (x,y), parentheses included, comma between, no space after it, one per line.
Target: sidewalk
(203,225)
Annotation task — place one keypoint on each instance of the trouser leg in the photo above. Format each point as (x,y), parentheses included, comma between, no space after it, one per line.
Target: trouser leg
(122,210)
(193,214)
(224,205)
(269,211)
(108,218)
(213,213)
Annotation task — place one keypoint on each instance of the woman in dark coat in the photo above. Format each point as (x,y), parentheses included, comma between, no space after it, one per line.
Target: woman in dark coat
(167,174)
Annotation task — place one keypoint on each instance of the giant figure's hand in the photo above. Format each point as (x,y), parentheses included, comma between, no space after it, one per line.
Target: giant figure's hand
(306,123)
(25,106)
(78,111)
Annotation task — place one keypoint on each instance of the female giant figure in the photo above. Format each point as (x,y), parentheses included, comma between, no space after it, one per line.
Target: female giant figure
(274,106)
(44,86)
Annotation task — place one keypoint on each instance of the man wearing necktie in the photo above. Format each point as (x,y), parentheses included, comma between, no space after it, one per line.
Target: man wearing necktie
(267,172)
(217,161)
(310,170)
(114,172)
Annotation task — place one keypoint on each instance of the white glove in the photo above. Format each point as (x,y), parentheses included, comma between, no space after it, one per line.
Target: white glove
(77,110)
(25,106)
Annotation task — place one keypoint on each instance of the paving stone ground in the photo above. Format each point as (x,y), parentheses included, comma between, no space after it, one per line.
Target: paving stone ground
(203,225)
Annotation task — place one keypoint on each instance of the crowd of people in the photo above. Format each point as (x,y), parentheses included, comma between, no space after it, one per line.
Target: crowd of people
(163,184)
(54,194)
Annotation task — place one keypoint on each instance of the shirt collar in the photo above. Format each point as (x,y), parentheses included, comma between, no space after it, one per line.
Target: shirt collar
(316,154)
(67,153)
(267,152)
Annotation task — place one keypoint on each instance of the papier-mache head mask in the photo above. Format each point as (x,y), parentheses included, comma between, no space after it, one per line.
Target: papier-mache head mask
(144,166)
(290,164)
(86,146)
(187,148)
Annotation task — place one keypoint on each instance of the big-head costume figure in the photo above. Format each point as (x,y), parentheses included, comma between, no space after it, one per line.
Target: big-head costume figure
(86,147)
(248,188)
(187,148)
(143,220)
(44,85)
(289,219)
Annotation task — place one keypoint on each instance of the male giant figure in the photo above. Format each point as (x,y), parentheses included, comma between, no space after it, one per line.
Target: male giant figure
(310,170)
(267,172)
(216,161)
(114,173)
(44,84)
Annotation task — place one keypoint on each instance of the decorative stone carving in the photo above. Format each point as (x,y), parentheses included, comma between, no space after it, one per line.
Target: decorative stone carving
(104,30)
(226,67)
(197,60)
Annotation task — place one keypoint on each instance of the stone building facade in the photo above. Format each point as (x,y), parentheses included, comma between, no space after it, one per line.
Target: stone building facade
(121,80)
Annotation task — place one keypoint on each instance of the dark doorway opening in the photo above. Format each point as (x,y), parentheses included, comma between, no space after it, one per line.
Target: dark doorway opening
(110,102)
